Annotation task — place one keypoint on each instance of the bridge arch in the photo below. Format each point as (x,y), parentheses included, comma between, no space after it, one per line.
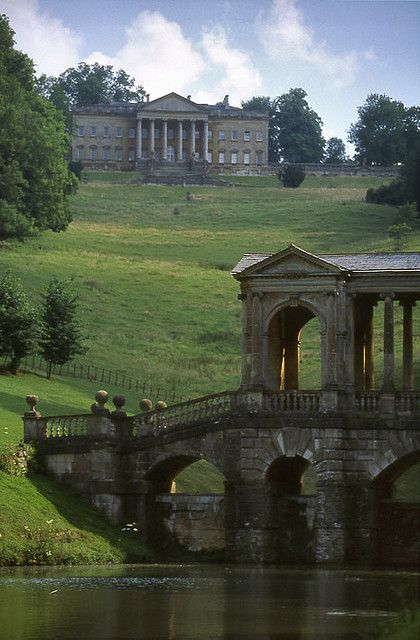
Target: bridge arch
(283,330)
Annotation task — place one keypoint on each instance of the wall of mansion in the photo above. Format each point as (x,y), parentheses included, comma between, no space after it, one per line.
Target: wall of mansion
(171,129)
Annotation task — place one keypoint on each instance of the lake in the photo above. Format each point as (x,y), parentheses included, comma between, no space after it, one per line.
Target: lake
(194,602)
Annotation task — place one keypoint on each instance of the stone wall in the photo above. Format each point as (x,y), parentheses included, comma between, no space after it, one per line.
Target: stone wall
(317,169)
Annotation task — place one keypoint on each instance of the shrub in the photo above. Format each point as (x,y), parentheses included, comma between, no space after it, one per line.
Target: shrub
(291,176)
(17,460)
(393,193)
(400,234)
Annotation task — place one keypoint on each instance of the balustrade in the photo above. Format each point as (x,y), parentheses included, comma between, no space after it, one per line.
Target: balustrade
(65,426)
(292,401)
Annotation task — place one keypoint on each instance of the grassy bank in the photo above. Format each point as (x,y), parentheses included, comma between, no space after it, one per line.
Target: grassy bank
(42,522)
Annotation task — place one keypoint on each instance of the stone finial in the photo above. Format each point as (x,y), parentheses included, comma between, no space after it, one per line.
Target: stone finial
(32,401)
(146,405)
(101,398)
(161,405)
(119,402)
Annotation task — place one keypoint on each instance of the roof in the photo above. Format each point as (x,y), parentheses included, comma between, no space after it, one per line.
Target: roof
(361,262)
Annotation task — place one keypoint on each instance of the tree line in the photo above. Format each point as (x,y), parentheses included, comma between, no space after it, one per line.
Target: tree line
(52,330)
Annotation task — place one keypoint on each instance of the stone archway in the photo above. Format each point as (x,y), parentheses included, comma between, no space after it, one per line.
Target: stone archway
(283,346)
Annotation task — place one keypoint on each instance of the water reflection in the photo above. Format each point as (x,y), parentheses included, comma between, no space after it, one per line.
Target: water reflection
(176,602)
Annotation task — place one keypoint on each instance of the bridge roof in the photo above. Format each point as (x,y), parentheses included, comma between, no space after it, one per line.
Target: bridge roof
(350,262)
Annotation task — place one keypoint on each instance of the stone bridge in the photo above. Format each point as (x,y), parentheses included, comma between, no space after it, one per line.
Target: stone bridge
(268,437)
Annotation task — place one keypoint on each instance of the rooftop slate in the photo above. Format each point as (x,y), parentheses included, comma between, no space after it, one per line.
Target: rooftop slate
(352,262)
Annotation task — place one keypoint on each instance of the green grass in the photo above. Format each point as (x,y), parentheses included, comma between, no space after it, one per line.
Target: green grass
(43,522)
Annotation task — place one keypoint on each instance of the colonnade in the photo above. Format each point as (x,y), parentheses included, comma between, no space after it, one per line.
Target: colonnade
(181,125)
(364,342)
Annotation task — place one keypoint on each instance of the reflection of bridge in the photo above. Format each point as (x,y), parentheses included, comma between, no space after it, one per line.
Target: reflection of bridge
(262,438)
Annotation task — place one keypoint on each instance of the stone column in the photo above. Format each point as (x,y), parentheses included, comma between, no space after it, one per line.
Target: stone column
(180,140)
(152,137)
(257,319)
(192,138)
(388,383)
(139,138)
(205,140)
(331,339)
(369,349)
(407,343)
(165,140)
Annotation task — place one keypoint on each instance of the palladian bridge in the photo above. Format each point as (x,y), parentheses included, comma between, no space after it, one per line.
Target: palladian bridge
(309,475)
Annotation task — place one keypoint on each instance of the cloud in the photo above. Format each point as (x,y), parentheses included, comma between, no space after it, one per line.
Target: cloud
(52,46)
(286,38)
(238,75)
(157,54)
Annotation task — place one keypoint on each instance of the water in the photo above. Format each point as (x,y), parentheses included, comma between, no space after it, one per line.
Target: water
(200,602)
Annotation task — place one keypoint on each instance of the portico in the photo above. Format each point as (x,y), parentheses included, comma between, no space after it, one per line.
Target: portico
(177,139)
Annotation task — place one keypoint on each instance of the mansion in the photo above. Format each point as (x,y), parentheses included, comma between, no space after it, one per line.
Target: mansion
(168,131)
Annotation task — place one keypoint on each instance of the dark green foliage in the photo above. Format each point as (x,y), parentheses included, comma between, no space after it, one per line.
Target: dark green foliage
(385,131)
(61,338)
(335,151)
(291,176)
(34,177)
(18,322)
(410,173)
(264,104)
(393,193)
(76,167)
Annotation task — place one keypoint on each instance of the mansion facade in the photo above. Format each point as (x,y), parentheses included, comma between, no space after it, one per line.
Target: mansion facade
(171,130)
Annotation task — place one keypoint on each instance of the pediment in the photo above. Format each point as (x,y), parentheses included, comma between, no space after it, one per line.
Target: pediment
(172,102)
(292,262)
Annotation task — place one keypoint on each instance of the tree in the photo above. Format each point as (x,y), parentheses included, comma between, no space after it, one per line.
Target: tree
(299,128)
(18,322)
(335,151)
(291,176)
(34,176)
(61,338)
(410,174)
(385,131)
(89,84)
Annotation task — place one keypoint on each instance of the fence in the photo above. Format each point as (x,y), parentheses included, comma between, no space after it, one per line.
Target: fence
(100,374)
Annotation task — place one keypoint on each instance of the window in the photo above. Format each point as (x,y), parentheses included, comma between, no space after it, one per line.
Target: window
(234,159)
(221,157)
(131,155)
(259,136)
(80,153)
(118,132)
(210,134)
(234,135)
(221,134)
(106,132)
(259,157)
(247,156)
(131,132)
(170,134)
(197,134)
(93,153)
(247,136)
(93,132)
(80,131)
(209,157)
(144,133)
(157,132)
(106,153)
(118,154)
(184,134)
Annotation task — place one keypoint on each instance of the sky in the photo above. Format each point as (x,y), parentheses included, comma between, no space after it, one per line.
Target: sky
(338,51)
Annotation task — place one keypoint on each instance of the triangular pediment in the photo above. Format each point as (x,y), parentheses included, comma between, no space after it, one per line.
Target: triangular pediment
(172,102)
(291,262)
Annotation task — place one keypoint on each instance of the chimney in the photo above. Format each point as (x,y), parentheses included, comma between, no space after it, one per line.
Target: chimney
(189,97)
(147,97)
(226,101)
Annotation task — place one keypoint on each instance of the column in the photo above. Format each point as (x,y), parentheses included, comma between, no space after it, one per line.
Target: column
(165,140)
(205,140)
(388,384)
(139,138)
(192,138)
(180,140)
(152,137)
(331,338)
(257,320)
(407,344)
(369,349)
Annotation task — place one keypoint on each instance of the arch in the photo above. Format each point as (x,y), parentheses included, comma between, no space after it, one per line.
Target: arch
(164,472)
(294,301)
(283,331)
(286,476)
(384,481)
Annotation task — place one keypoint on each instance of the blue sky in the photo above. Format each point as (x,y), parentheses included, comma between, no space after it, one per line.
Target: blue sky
(339,51)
